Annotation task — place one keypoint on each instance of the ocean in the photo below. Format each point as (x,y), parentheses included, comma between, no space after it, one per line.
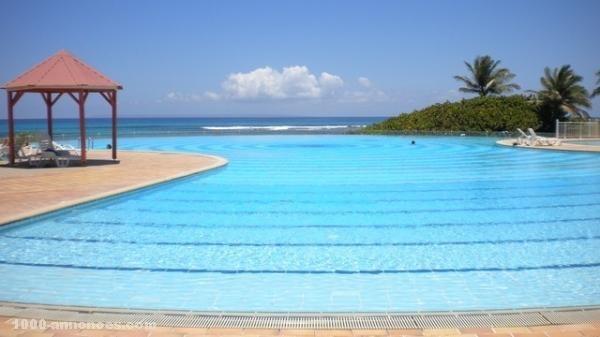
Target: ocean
(101,127)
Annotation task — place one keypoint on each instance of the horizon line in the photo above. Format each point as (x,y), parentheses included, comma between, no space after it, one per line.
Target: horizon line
(189,117)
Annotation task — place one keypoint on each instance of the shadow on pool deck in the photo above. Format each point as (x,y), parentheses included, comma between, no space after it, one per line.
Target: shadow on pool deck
(72,164)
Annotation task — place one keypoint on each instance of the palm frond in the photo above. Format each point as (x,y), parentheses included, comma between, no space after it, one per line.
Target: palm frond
(486,78)
(596,91)
(562,89)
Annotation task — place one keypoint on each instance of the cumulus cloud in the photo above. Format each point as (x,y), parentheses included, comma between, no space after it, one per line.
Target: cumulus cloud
(330,84)
(290,82)
(294,82)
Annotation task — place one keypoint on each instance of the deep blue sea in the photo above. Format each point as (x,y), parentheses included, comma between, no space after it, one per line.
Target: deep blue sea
(98,127)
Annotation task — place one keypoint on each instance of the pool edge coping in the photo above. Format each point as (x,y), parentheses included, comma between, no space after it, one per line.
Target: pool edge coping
(220,162)
(573,147)
(494,318)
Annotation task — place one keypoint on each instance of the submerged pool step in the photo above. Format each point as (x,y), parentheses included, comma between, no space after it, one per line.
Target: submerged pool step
(308,320)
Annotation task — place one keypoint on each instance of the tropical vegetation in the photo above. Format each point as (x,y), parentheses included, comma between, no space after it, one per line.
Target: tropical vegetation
(596,91)
(562,96)
(493,113)
(486,78)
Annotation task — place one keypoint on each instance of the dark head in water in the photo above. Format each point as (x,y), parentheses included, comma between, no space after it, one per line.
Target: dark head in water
(412,142)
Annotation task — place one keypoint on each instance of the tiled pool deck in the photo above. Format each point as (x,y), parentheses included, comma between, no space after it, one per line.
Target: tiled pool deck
(7,329)
(564,146)
(28,192)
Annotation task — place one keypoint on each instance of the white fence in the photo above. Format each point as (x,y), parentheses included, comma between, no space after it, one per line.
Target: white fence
(578,130)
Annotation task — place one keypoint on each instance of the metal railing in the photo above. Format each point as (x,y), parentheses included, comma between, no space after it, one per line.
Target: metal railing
(578,130)
(89,143)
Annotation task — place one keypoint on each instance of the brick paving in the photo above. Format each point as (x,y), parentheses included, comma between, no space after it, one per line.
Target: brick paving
(27,192)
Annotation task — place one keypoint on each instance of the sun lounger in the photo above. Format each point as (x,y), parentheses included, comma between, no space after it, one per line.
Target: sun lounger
(36,157)
(45,151)
(62,154)
(542,141)
(32,154)
(3,152)
(524,139)
(66,147)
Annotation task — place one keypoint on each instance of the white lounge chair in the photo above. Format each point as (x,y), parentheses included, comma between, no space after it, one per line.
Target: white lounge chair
(4,149)
(542,141)
(3,152)
(33,155)
(66,147)
(524,139)
(45,150)
(63,152)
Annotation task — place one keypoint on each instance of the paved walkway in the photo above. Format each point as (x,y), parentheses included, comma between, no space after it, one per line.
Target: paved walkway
(564,146)
(27,192)
(7,329)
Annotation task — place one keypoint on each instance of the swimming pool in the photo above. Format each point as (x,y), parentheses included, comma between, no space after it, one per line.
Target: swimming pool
(326,223)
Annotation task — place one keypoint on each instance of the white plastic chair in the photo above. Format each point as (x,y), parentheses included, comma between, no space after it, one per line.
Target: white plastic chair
(66,147)
(538,140)
(3,152)
(524,139)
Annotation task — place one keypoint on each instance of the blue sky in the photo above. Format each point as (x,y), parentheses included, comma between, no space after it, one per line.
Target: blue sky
(294,58)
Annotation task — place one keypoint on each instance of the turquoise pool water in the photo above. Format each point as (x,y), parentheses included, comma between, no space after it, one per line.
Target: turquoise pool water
(326,223)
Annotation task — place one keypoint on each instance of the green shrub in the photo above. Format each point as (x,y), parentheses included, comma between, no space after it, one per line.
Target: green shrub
(23,138)
(472,115)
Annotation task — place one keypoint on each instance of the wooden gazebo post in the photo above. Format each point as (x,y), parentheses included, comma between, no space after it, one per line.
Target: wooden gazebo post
(49,103)
(80,100)
(62,73)
(12,99)
(111,98)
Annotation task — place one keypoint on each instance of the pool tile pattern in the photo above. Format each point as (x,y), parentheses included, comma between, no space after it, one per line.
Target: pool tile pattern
(573,330)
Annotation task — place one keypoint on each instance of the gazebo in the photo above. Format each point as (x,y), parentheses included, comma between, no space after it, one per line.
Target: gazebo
(56,76)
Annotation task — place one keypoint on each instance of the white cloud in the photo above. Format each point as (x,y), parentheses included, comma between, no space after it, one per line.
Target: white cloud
(330,83)
(291,82)
(363,96)
(175,96)
(212,96)
(365,82)
(294,82)
(367,93)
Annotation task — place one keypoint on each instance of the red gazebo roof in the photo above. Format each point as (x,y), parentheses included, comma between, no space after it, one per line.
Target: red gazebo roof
(62,71)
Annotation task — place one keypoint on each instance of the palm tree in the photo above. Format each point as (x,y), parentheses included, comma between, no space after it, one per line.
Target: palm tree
(562,93)
(597,90)
(485,79)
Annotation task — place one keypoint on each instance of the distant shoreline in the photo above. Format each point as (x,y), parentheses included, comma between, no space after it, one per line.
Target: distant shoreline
(67,128)
(188,117)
